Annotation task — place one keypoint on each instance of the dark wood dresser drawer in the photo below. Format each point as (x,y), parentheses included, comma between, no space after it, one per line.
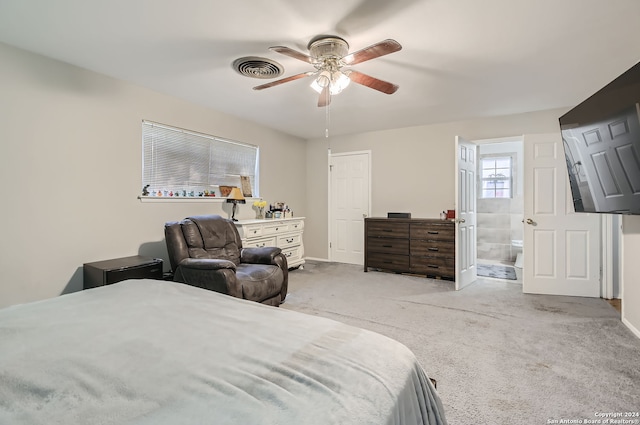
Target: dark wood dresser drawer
(388,245)
(388,228)
(436,248)
(434,232)
(388,261)
(433,266)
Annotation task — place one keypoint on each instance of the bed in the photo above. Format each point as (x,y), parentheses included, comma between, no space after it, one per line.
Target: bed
(158,352)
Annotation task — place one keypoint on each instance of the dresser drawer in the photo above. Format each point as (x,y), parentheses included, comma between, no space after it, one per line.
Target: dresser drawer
(388,245)
(259,243)
(295,225)
(289,240)
(293,254)
(388,261)
(439,266)
(433,232)
(275,228)
(388,229)
(252,231)
(433,248)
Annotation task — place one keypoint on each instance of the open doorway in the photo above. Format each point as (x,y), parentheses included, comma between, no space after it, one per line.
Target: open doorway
(500,208)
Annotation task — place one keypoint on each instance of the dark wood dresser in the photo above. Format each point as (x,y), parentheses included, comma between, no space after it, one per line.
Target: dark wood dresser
(410,245)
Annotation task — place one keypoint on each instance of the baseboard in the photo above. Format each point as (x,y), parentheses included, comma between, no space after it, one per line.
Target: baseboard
(324,260)
(633,329)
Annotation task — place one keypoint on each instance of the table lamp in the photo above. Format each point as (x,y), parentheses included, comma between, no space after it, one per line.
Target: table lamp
(235,197)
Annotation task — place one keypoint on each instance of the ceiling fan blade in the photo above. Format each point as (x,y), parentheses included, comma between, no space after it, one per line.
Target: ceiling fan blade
(325,97)
(372,82)
(374,51)
(292,53)
(283,80)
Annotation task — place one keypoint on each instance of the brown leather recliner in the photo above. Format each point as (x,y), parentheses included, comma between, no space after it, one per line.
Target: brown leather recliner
(206,251)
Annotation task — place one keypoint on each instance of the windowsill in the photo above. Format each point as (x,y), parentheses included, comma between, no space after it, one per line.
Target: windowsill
(188,199)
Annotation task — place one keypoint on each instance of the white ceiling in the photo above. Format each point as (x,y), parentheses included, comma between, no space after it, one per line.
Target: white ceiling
(461,59)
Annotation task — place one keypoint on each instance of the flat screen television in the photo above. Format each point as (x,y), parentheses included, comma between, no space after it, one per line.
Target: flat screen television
(601,138)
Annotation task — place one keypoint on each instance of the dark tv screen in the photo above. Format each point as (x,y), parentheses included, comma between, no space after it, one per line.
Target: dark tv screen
(601,138)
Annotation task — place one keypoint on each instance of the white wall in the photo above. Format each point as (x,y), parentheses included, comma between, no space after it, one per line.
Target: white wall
(70,167)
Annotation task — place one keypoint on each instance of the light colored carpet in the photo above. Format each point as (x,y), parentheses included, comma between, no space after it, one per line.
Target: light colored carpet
(497,271)
(499,356)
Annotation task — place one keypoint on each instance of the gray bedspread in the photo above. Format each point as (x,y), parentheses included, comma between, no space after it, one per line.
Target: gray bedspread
(156,352)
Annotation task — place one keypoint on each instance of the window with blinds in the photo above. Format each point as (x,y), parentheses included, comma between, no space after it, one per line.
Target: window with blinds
(178,162)
(496,177)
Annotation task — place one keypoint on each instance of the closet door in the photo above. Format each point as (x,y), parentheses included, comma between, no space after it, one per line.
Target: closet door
(350,194)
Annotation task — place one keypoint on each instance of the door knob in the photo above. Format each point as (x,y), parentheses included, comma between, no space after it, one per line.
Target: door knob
(461,220)
(529,221)
(364,215)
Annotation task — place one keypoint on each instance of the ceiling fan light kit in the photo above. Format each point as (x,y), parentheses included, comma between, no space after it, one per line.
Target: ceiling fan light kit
(336,80)
(330,55)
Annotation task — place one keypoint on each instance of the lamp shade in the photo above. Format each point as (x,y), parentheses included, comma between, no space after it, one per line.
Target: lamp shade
(337,81)
(235,196)
(322,80)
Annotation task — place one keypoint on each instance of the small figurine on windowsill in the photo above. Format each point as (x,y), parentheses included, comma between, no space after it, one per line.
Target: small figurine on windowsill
(145,192)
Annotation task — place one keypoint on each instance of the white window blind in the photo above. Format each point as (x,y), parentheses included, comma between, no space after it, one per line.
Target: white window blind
(185,163)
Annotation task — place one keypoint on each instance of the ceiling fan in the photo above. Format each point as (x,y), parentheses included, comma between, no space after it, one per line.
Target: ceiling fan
(331,58)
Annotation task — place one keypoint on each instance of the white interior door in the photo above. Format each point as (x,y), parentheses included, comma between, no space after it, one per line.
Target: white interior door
(466,253)
(604,161)
(350,203)
(561,247)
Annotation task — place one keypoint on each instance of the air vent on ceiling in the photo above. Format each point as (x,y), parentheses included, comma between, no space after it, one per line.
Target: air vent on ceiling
(255,67)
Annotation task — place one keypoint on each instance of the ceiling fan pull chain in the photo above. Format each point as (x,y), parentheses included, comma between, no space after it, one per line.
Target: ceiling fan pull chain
(327,119)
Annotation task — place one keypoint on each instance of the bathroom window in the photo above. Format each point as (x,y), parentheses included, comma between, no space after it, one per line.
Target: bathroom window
(496,177)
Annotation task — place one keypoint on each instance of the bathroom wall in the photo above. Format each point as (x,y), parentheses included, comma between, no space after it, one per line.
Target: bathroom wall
(500,220)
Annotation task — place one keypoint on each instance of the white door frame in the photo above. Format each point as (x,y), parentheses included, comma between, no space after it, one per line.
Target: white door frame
(329,193)
(610,246)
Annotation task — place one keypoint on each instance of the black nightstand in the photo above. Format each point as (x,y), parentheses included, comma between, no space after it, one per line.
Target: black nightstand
(106,272)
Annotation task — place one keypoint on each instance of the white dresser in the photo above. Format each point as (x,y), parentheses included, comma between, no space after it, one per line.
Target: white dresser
(285,233)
